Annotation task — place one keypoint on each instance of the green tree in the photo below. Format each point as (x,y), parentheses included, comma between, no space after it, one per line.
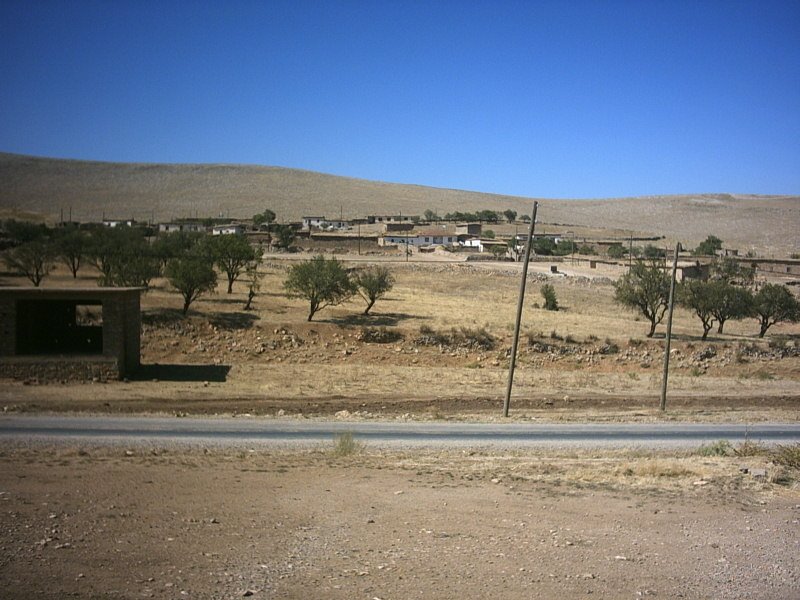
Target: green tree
(322,282)
(489,216)
(651,251)
(616,251)
(565,247)
(373,284)
(525,219)
(729,302)
(123,256)
(175,244)
(728,269)
(499,252)
(549,295)
(544,246)
(586,249)
(231,254)
(283,236)
(34,260)
(510,215)
(772,304)
(268,217)
(488,234)
(71,246)
(21,232)
(644,288)
(253,278)
(430,215)
(709,246)
(698,296)
(192,275)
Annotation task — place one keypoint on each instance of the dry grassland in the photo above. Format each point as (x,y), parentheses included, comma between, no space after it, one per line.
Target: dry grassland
(271,359)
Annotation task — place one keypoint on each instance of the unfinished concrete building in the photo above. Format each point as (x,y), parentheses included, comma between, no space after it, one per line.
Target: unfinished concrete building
(69,334)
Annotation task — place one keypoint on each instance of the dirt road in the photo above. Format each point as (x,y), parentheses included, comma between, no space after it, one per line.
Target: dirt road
(97,523)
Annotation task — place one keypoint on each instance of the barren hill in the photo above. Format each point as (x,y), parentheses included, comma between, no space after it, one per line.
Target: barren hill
(142,191)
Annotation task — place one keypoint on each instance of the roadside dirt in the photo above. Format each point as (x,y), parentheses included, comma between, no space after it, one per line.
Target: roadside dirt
(159,523)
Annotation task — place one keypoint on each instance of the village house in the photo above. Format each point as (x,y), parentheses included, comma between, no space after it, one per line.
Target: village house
(427,237)
(177,227)
(119,222)
(371,219)
(230,229)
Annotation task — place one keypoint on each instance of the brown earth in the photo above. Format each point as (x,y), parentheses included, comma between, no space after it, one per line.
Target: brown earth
(588,361)
(94,522)
(45,186)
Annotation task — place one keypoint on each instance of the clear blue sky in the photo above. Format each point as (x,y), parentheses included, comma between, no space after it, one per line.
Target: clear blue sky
(562,99)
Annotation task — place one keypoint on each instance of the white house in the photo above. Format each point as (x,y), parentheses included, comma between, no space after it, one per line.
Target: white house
(232,229)
(176,227)
(435,237)
(119,222)
(309,222)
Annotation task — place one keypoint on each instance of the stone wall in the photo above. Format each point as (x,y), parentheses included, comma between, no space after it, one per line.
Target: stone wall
(55,369)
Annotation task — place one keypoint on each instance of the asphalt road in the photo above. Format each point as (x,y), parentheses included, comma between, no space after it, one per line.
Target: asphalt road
(252,431)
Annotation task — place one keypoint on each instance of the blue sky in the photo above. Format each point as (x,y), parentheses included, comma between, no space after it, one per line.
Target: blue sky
(561,99)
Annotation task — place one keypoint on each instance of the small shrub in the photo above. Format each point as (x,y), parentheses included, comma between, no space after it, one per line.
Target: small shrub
(750,448)
(554,336)
(472,339)
(695,372)
(593,338)
(375,335)
(634,343)
(787,456)
(344,444)
(764,376)
(718,448)
(609,347)
(570,340)
(549,295)
(633,375)
(777,342)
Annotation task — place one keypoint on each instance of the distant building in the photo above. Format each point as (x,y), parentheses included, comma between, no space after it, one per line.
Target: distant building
(392,219)
(309,222)
(467,229)
(177,227)
(324,224)
(434,237)
(119,222)
(230,229)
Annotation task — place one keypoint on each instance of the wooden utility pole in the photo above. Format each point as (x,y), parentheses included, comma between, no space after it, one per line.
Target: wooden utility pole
(669,330)
(522,283)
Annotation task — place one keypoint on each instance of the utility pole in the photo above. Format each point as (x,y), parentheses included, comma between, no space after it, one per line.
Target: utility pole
(520,301)
(669,330)
(630,254)
(359,238)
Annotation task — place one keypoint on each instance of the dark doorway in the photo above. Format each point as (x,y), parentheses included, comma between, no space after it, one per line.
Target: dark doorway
(59,327)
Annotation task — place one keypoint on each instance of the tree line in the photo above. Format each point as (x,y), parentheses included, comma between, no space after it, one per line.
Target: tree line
(728,294)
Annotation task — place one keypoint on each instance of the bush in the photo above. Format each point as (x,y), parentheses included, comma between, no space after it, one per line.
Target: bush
(322,282)
(374,335)
(549,294)
(788,456)
(344,444)
(471,339)
(718,448)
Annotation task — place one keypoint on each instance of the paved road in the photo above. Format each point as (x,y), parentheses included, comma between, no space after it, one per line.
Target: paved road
(250,431)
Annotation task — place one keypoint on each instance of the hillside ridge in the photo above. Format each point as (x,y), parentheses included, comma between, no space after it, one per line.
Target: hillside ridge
(164,191)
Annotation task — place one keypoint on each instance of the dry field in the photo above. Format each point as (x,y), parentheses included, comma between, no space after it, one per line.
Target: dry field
(155,522)
(222,359)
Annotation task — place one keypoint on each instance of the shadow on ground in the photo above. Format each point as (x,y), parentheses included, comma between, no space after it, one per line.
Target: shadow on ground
(377,319)
(233,320)
(215,373)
